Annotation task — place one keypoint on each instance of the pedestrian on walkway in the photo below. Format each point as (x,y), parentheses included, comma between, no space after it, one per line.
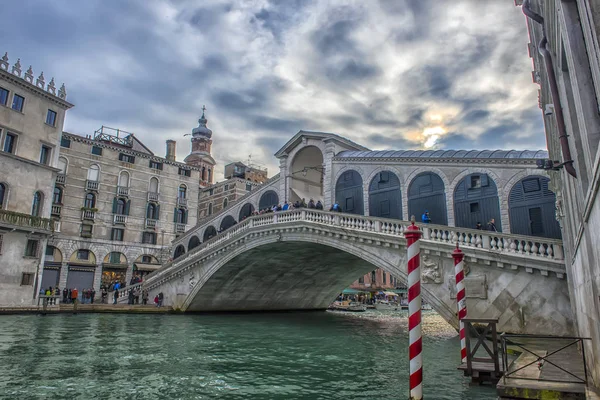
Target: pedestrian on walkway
(145,297)
(160,299)
(425,217)
(492,225)
(65,294)
(115,296)
(92,295)
(74,294)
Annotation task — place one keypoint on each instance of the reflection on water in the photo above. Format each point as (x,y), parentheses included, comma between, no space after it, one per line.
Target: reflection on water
(327,355)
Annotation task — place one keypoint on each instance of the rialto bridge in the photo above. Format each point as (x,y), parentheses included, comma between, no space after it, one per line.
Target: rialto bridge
(302,259)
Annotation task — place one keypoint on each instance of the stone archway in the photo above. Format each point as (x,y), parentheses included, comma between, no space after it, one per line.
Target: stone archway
(306,175)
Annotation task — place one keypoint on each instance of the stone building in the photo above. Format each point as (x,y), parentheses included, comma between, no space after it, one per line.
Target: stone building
(200,156)
(118,206)
(375,281)
(32,114)
(240,170)
(566,59)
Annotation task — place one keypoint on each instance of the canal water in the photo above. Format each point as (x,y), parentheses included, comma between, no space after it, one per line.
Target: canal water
(317,355)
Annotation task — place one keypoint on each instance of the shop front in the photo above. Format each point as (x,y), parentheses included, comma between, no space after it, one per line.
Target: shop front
(112,274)
(141,270)
(80,277)
(51,275)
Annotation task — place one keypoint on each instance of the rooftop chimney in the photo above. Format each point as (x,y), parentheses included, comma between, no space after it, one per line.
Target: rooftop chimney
(171,150)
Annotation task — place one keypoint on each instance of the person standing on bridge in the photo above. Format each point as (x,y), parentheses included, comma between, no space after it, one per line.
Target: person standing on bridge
(115,296)
(319,205)
(492,225)
(425,217)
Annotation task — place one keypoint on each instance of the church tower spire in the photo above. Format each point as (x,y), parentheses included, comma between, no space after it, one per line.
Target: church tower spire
(201,151)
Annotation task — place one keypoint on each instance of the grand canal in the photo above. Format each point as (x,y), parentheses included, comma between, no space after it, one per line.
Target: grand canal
(251,356)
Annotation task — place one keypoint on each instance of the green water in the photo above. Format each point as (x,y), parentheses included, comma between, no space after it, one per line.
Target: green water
(251,356)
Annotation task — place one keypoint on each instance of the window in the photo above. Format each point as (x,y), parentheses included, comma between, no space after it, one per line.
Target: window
(349,204)
(115,257)
(384,278)
(117,234)
(209,175)
(51,118)
(57,198)
(93,173)
(3,195)
(475,181)
(62,165)
(127,158)
(27,279)
(18,102)
(529,185)
(156,165)
(3,96)
(36,207)
(248,187)
(86,231)
(124,179)
(83,254)
(152,211)
(10,143)
(226,187)
(90,201)
(185,172)
(64,142)
(153,188)
(148,238)
(211,192)
(182,191)
(180,216)
(121,205)
(97,150)
(49,251)
(373,277)
(361,279)
(474,207)
(224,203)
(146,259)
(31,250)
(45,155)
(203,173)
(210,209)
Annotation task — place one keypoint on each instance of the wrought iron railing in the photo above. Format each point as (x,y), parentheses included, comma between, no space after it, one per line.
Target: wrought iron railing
(113,135)
(546,358)
(56,209)
(61,179)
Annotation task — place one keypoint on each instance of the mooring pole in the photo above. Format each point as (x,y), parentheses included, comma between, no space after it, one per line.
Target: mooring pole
(460,299)
(415,342)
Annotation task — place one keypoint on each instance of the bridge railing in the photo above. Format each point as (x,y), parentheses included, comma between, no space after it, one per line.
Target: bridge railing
(506,243)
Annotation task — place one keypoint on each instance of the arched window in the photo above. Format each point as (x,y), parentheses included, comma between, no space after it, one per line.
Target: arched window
(90,200)
(3,195)
(38,200)
(124,179)
(153,185)
(62,165)
(57,199)
(209,208)
(93,173)
(182,192)
(180,216)
(224,203)
(120,207)
(209,175)
(152,211)
(203,173)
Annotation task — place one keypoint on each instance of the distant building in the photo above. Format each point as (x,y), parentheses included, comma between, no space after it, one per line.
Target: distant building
(118,206)
(219,196)
(243,171)
(32,114)
(375,281)
(200,156)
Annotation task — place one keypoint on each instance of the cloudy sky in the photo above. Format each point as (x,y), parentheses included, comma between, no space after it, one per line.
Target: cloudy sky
(389,74)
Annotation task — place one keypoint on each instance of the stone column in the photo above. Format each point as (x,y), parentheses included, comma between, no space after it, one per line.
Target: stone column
(98,277)
(284,179)
(62,279)
(328,186)
(128,274)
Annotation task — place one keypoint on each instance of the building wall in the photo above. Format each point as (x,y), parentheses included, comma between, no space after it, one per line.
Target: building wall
(572,34)
(368,284)
(80,159)
(230,189)
(23,175)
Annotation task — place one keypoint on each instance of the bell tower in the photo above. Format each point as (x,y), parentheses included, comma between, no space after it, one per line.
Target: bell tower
(201,148)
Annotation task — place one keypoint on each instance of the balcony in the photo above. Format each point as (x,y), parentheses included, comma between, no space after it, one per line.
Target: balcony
(151,223)
(56,225)
(56,209)
(181,202)
(123,191)
(92,185)
(179,228)
(88,215)
(152,196)
(61,179)
(120,219)
(25,220)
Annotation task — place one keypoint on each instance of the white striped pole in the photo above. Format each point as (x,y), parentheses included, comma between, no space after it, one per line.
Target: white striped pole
(415,345)
(460,299)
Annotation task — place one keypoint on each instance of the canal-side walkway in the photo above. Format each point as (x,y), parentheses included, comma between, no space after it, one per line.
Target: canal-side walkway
(88,308)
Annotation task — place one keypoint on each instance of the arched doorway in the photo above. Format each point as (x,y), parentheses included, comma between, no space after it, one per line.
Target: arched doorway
(114,269)
(306,175)
(52,264)
(427,192)
(194,242)
(179,251)
(349,193)
(82,268)
(209,232)
(246,211)
(476,200)
(531,208)
(268,200)
(385,199)
(227,222)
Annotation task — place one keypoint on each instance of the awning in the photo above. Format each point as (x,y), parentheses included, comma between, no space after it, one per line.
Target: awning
(147,267)
(399,291)
(114,266)
(390,294)
(352,291)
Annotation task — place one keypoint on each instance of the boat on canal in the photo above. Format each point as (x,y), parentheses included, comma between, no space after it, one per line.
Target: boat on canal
(347,306)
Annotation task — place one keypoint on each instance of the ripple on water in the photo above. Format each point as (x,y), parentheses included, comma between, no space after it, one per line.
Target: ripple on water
(328,355)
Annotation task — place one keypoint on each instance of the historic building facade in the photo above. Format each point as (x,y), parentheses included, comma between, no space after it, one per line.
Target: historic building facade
(32,114)
(251,173)
(118,206)
(566,58)
(200,156)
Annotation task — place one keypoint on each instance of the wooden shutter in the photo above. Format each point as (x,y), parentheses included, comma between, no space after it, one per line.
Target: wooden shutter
(127,206)
(157,216)
(115,205)
(484,180)
(175,215)
(185,216)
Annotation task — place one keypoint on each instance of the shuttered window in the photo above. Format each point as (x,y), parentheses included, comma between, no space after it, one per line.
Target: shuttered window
(531,185)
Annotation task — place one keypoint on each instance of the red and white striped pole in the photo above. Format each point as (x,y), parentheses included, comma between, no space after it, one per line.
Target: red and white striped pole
(460,299)
(415,343)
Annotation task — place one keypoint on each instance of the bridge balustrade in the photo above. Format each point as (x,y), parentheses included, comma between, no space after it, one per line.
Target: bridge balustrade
(496,242)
